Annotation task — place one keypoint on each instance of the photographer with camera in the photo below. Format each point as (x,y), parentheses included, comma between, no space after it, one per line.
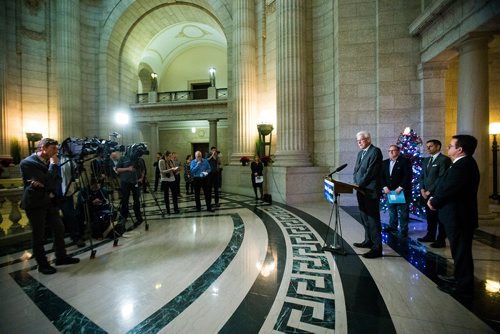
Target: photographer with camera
(130,172)
(92,201)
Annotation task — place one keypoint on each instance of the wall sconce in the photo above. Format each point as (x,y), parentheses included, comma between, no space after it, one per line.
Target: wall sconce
(494,130)
(33,137)
(154,82)
(211,75)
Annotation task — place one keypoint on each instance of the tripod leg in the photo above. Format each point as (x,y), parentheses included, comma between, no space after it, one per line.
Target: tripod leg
(156,200)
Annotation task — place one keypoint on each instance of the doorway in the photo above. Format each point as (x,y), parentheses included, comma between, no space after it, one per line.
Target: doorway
(202,147)
(200,90)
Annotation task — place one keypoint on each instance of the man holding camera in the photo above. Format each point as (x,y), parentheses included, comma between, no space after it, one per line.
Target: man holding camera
(41,180)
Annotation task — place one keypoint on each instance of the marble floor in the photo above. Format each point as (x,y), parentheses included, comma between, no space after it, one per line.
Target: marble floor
(250,267)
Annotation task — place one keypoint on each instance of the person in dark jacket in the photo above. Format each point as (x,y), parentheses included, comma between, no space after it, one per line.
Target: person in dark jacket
(41,181)
(396,176)
(456,202)
(367,177)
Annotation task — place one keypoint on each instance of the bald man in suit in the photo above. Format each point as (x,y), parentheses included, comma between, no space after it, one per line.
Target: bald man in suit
(367,177)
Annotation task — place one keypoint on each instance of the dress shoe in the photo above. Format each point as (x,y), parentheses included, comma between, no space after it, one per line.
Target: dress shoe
(454,290)
(80,243)
(389,229)
(438,244)
(448,279)
(67,260)
(427,238)
(211,210)
(177,211)
(137,223)
(198,209)
(364,244)
(47,269)
(372,254)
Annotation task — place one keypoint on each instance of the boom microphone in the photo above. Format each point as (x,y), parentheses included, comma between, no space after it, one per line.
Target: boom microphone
(337,170)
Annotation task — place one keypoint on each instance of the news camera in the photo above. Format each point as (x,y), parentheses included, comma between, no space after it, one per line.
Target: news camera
(135,151)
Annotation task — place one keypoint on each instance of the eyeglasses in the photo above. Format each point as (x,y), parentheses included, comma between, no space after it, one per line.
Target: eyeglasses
(450,146)
(362,140)
(430,146)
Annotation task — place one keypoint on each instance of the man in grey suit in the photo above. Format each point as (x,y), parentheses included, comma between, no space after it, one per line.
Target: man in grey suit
(433,169)
(367,177)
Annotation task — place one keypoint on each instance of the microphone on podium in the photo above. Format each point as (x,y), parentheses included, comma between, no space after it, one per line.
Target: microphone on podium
(337,170)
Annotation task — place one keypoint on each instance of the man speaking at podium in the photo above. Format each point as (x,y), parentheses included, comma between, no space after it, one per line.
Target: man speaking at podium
(367,177)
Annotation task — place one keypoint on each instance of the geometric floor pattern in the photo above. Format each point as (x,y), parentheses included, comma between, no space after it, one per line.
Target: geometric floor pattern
(249,267)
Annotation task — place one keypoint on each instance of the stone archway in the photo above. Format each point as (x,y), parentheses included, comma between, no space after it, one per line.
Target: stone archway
(125,38)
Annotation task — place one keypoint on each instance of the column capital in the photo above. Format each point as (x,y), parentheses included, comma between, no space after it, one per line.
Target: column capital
(473,41)
(433,69)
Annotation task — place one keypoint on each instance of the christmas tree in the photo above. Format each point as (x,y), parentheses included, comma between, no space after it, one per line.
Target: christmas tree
(409,143)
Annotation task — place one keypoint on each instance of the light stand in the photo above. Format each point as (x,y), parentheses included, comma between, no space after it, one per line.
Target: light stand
(494,130)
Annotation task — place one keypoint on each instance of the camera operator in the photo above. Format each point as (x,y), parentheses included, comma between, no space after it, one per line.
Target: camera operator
(95,198)
(130,173)
(41,180)
(213,177)
(98,168)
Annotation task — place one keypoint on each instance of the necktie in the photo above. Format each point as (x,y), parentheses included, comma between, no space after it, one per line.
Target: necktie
(430,163)
(363,154)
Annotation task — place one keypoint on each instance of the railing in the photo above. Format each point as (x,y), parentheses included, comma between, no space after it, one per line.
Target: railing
(13,221)
(182,96)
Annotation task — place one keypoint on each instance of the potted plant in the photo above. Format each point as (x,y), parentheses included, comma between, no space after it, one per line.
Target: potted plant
(244,161)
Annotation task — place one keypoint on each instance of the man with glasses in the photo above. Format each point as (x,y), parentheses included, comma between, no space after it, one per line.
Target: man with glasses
(367,177)
(396,176)
(41,181)
(433,169)
(456,200)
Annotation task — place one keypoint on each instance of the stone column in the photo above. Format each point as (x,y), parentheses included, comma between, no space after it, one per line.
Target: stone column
(4,149)
(212,138)
(68,76)
(244,80)
(149,132)
(473,106)
(433,100)
(291,85)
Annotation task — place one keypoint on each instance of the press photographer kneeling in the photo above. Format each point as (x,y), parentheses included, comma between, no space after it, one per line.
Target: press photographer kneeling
(93,201)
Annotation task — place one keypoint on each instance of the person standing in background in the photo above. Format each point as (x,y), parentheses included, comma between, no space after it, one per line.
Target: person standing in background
(433,169)
(257,168)
(157,170)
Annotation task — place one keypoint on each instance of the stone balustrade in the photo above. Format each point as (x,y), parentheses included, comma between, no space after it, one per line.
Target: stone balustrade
(13,220)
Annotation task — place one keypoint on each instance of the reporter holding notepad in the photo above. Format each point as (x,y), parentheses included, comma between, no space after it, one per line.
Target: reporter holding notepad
(396,178)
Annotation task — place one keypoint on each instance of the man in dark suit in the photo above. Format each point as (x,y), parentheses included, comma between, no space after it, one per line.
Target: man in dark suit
(456,200)
(41,181)
(433,169)
(367,177)
(396,176)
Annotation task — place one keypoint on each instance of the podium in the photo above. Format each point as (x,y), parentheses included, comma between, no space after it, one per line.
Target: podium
(332,191)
